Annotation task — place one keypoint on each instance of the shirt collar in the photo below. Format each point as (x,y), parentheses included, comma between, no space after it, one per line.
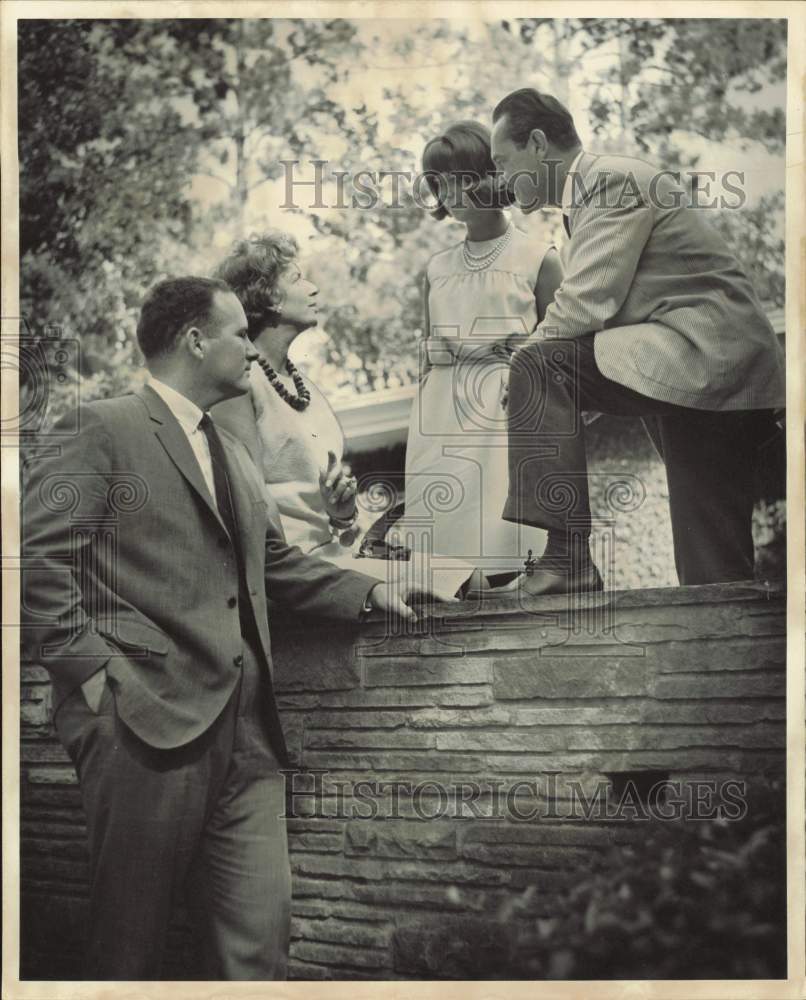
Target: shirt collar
(568,186)
(185,411)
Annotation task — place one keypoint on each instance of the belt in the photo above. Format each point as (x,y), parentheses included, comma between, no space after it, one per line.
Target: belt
(446,353)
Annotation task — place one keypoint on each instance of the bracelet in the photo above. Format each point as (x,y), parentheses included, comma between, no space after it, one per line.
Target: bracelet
(341,524)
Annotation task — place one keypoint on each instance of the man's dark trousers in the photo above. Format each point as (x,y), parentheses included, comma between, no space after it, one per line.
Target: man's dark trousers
(203,821)
(710,458)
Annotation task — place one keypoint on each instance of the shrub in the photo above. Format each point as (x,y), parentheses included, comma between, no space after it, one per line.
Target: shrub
(693,900)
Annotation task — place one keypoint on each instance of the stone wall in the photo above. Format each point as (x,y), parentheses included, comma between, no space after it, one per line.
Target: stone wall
(446,771)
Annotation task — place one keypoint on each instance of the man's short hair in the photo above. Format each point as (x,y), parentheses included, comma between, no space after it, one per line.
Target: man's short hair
(527,109)
(171,307)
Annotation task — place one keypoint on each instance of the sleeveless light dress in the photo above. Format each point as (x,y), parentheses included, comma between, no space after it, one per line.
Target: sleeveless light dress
(456,457)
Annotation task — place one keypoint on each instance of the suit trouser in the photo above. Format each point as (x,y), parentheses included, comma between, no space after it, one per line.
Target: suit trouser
(206,818)
(710,458)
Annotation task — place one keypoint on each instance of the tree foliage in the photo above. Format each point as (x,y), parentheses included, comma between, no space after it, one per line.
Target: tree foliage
(147,145)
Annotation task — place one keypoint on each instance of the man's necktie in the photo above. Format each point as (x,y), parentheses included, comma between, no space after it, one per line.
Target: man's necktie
(223,494)
(566,225)
(223,497)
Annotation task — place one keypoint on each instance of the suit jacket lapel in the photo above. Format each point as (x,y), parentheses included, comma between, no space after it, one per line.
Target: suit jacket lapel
(175,442)
(243,497)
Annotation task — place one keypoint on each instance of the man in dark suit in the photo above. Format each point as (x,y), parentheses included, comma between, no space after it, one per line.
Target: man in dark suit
(150,547)
(654,318)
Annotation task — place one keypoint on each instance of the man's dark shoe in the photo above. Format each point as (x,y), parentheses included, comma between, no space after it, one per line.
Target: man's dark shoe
(548,576)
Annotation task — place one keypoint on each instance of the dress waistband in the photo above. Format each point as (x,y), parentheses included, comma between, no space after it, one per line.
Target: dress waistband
(447,352)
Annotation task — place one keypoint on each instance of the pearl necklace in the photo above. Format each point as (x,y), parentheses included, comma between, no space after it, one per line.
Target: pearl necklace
(479,262)
(302,398)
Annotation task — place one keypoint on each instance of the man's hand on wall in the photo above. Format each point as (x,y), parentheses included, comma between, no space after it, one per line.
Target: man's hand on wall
(389,598)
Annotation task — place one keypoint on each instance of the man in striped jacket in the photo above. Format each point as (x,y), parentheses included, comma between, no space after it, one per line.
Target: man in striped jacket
(654,318)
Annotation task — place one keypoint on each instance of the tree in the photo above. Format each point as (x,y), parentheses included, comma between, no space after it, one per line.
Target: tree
(754,234)
(690,76)
(249,104)
(146,145)
(564,45)
(102,171)
(117,118)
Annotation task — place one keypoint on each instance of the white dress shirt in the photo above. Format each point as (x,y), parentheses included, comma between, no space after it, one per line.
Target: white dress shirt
(568,187)
(189,416)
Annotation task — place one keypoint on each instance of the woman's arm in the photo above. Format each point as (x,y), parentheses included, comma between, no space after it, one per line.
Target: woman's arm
(425,365)
(549,280)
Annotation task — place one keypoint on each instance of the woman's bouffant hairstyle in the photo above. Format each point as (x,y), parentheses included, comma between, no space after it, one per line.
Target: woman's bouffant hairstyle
(463,149)
(252,270)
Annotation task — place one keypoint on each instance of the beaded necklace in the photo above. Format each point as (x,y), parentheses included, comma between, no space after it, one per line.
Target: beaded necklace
(302,398)
(479,262)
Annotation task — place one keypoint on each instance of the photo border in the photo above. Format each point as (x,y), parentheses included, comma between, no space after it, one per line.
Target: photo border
(12,988)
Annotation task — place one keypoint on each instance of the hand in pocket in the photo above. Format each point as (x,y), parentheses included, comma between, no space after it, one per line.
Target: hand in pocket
(93,690)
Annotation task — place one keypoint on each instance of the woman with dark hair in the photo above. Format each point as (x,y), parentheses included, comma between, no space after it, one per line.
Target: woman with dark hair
(482,295)
(290,428)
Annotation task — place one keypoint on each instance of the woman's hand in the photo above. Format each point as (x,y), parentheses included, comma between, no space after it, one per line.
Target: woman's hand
(510,351)
(514,342)
(338,489)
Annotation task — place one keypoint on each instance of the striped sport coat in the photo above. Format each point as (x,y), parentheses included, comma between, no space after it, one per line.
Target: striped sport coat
(675,316)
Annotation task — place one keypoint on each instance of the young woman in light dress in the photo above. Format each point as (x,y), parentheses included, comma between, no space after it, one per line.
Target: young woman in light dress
(482,295)
(290,428)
